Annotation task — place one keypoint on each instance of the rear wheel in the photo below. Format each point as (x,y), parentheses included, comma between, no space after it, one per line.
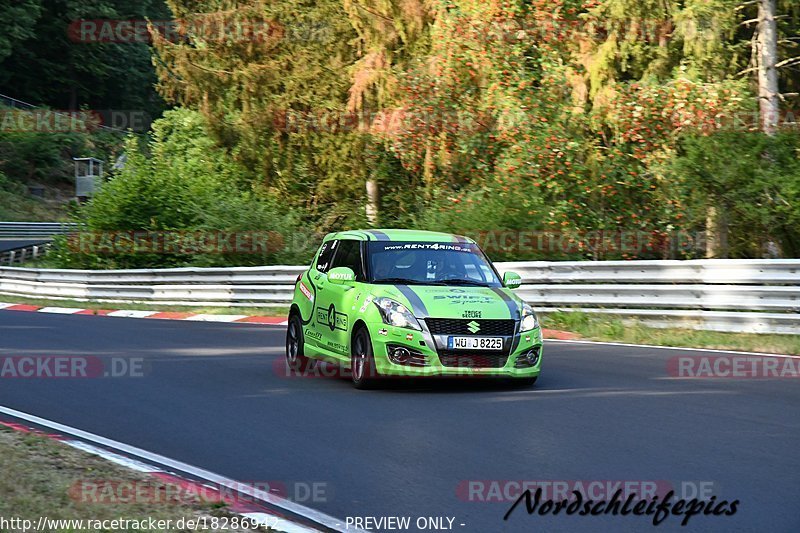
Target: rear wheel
(362,361)
(295,358)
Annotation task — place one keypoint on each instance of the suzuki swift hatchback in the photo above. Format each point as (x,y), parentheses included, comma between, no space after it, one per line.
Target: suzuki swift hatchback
(391,303)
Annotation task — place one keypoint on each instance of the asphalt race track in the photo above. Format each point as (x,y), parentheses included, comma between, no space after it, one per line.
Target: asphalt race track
(212,396)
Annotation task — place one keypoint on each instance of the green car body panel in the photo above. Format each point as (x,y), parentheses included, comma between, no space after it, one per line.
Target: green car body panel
(331,310)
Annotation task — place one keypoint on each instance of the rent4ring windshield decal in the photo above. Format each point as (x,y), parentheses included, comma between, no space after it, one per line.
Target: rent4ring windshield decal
(437,246)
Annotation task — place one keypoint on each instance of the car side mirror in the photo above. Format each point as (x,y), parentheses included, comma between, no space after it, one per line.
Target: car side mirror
(512,280)
(341,276)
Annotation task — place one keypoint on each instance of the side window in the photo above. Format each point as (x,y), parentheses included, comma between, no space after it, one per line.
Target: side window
(325,255)
(349,255)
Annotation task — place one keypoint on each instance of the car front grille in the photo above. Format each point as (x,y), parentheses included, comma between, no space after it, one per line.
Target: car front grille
(461,326)
(457,359)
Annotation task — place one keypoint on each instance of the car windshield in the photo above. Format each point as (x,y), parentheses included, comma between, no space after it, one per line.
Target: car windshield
(430,263)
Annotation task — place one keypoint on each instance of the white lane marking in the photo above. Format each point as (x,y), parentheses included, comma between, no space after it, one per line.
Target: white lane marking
(113,457)
(277,523)
(534,395)
(132,314)
(60,310)
(683,348)
(206,475)
(144,314)
(216,318)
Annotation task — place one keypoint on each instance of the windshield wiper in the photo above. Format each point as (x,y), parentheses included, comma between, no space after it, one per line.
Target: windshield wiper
(402,281)
(461,281)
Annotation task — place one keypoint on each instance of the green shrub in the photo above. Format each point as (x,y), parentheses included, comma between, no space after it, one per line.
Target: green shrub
(500,219)
(181,184)
(753,181)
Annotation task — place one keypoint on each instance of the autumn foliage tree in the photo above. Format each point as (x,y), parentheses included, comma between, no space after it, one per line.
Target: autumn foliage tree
(570,115)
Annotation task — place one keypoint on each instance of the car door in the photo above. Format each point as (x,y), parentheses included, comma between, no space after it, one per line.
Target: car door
(335,301)
(319,280)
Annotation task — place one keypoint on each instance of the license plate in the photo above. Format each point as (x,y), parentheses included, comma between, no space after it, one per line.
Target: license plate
(474,343)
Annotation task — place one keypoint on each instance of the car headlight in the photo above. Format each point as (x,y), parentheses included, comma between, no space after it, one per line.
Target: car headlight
(529,320)
(396,314)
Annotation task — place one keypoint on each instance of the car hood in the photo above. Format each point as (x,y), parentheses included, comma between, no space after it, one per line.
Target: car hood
(457,302)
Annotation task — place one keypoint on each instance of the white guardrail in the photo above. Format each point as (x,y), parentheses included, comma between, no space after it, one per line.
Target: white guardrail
(34,230)
(724,294)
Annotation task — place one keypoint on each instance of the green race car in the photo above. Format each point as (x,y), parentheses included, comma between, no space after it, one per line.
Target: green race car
(403,303)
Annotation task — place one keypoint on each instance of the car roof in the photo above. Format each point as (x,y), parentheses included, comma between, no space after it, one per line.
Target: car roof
(397,235)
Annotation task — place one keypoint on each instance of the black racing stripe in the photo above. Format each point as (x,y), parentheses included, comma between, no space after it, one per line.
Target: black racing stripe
(513,308)
(313,304)
(417,306)
(379,235)
(365,234)
(515,340)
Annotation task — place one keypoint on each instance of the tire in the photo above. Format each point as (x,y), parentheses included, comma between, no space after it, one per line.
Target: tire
(295,346)
(362,361)
(522,383)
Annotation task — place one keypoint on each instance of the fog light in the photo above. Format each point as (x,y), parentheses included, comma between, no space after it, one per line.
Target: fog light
(399,355)
(528,359)
(402,355)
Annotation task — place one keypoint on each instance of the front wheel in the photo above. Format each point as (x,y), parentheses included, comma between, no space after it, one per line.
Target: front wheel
(362,361)
(295,357)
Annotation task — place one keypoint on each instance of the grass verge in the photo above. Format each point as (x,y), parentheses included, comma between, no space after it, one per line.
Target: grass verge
(45,478)
(250,311)
(614,329)
(18,205)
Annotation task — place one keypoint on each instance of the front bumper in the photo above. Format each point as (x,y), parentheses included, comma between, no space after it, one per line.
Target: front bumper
(521,357)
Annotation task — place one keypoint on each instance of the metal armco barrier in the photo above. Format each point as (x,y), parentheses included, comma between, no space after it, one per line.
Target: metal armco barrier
(239,286)
(759,295)
(28,230)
